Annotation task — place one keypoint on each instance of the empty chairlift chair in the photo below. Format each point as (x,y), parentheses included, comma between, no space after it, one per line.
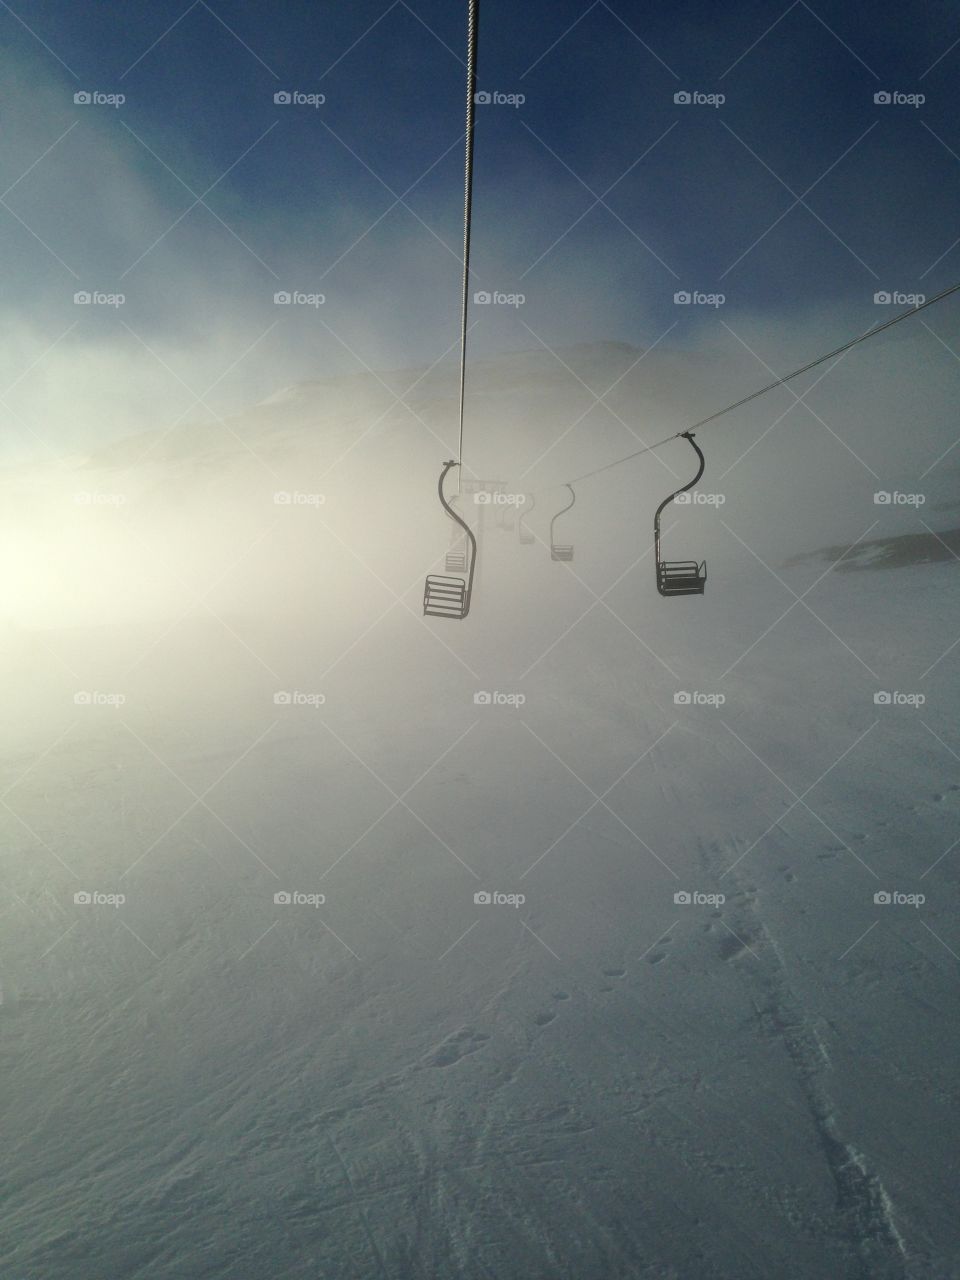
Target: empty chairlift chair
(525,537)
(505,516)
(679,577)
(561,550)
(448,595)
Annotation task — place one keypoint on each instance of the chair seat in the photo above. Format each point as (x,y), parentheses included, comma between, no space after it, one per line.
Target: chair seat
(445,597)
(455,561)
(561,551)
(681,577)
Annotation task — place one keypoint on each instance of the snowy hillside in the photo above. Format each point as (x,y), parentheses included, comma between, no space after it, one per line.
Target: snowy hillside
(684,1040)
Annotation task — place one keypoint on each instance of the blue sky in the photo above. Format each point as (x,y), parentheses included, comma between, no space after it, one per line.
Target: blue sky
(798,197)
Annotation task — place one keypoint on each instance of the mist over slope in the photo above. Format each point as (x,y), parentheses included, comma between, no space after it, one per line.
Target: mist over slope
(221,690)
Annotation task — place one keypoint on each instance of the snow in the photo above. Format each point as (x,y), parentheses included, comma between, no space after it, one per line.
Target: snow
(598,1082)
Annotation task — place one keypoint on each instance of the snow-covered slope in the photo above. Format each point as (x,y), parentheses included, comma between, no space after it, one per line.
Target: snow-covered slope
(599,1080)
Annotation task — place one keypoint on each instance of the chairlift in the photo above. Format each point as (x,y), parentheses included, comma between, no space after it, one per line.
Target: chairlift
(446,595)
(679,577)
(561,550)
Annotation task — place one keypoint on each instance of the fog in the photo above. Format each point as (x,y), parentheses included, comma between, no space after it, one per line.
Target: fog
(343,940)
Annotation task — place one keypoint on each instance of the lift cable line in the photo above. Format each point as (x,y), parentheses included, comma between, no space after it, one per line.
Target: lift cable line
(472,22)
(870,333)
(447,596)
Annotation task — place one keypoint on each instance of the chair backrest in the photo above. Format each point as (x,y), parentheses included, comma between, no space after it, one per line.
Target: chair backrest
(681,577)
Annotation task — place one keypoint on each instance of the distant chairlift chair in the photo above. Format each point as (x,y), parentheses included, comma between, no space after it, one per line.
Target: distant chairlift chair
(679,577)
(444,595)
(455,560)
(561,550)
(504,515)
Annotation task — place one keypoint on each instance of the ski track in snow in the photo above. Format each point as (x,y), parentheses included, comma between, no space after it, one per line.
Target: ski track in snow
(864,1211)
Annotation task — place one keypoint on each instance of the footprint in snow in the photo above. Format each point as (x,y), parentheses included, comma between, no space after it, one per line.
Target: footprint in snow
(657,955)
(455,1047)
